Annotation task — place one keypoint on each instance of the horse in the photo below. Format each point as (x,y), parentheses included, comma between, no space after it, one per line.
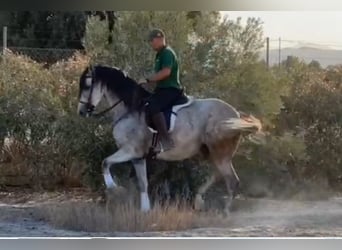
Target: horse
(194,124)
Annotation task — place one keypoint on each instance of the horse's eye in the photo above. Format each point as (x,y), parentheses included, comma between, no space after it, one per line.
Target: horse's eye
(85,87)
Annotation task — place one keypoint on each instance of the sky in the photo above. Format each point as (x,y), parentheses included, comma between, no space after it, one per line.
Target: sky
(322,28)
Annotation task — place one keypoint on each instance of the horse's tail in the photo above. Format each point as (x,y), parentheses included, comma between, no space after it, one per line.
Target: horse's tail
(246,123)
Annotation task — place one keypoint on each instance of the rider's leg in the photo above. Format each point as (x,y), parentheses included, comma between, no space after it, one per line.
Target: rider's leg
(161,126)
(160,100)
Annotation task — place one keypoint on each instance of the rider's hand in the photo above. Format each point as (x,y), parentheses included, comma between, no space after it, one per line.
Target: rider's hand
(143,82)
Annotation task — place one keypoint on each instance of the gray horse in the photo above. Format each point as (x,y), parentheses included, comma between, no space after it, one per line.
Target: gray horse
(194,124)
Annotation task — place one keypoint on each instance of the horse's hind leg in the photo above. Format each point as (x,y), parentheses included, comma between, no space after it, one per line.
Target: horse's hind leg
(231,179)
(199,202)
(221,155)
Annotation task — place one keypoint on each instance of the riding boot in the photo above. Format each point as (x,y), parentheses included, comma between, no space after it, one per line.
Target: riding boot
(160,123)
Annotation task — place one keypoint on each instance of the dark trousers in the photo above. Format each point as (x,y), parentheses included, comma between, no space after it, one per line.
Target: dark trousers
(162,99)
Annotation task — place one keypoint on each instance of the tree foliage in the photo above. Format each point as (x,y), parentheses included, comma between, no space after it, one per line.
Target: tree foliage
(313,110)
(299,103)
(50,29)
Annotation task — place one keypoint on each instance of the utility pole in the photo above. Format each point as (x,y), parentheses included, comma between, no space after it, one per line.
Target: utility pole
(279,51)
(4,40)
(267,52)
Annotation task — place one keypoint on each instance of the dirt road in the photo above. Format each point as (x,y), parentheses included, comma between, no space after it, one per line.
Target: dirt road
(251,218)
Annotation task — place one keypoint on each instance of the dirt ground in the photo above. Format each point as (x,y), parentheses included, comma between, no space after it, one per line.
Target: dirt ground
(250,218)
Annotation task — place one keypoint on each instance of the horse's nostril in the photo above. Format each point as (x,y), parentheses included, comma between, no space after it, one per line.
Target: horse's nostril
(82,113)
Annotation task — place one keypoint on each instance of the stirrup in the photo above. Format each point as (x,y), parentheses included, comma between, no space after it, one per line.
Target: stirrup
(153,152)
(162,149)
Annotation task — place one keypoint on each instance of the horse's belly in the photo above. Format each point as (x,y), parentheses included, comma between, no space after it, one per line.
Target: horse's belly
(180,152)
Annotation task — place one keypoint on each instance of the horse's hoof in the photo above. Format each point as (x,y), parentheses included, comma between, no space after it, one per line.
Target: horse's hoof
(199,203)
(228,206)
(226,213)
(145,205)
(145,210)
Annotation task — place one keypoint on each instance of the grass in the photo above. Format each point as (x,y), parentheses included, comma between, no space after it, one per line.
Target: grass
(124,216)
(37,166)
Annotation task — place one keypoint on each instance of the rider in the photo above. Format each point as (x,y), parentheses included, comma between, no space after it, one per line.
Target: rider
(168,87)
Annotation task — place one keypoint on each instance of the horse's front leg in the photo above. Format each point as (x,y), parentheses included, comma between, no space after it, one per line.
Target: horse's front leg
(140,169)
(122,155)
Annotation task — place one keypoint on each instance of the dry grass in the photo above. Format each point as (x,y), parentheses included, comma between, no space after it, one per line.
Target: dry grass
(13,168)
(125,217)
(23,165)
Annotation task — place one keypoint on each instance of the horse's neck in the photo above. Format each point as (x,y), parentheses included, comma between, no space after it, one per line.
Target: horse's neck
(119,109)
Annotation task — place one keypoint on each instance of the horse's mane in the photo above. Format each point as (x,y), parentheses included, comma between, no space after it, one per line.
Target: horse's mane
(123,86)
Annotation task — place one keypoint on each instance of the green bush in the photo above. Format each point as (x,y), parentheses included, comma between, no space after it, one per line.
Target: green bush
(313,109)
(38,110)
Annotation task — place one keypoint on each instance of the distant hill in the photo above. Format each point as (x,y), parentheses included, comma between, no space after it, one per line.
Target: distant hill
(324,56)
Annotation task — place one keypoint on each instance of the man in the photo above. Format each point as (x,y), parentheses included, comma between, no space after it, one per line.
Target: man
(168,88)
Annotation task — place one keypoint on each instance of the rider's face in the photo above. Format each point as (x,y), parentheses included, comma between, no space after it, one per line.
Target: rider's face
(156,43)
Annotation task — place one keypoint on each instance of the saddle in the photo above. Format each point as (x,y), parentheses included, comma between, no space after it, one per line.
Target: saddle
(170,113)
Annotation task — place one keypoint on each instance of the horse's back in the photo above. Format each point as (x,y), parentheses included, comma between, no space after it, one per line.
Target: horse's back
(213,106)
(204,114)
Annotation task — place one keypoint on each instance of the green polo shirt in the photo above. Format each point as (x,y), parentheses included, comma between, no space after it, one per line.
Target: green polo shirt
(166,57)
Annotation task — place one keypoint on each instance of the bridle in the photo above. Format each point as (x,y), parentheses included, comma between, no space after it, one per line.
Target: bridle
(90,107)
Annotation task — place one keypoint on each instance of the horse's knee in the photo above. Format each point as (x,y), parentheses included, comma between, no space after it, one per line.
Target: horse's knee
(105,164)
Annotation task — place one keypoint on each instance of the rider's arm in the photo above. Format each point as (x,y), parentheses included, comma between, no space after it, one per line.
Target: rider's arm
(161,75)
(167,61)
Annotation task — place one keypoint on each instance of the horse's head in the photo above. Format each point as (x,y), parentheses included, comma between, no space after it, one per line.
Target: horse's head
(90,92)
(111,83)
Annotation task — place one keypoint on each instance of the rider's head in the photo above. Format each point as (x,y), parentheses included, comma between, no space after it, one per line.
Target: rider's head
(156,39)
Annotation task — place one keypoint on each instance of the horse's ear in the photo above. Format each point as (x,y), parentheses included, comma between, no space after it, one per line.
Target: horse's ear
(91,68)
(89,75)
(88,71)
